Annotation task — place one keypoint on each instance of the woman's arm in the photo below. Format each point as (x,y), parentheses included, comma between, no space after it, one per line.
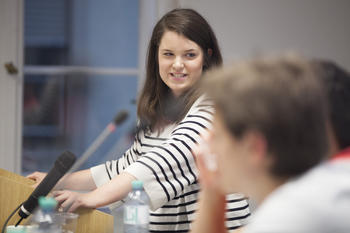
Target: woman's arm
(113,191)
(80,180)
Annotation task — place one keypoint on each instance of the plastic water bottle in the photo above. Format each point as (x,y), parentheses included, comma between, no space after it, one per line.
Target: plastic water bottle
(136,210)
(44,220)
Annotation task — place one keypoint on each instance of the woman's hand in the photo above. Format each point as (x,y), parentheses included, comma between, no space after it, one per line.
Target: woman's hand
(70,201)
(110,192)
(37,177)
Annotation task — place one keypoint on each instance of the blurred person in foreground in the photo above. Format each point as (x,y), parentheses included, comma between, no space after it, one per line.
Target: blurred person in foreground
(270,134)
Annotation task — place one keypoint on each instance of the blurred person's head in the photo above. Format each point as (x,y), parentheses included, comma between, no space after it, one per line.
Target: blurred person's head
(269,125)
(336,82)
(181,48)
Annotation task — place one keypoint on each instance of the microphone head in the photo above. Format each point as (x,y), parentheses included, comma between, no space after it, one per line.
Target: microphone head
(120,117)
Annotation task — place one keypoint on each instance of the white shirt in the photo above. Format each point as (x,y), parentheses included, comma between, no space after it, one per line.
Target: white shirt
(316,202)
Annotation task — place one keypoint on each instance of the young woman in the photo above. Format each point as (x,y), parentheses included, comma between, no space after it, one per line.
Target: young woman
(172,115)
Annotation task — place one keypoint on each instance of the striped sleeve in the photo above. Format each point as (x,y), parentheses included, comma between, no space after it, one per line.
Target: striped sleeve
(237,211)
(170,167)
(103,173)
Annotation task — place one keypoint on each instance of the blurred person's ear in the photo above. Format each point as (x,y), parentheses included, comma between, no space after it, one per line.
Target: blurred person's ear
(255,146)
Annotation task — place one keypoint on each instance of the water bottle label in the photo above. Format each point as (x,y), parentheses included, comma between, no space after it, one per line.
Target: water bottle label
(136,215)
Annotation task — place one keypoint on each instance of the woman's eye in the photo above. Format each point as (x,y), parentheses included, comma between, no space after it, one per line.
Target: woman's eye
(167,54)
(191,55)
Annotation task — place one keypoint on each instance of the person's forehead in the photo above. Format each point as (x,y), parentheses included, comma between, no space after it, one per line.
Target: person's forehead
(174,41)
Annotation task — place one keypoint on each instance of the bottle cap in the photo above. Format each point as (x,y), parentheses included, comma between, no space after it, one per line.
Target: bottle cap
(47,203)
(137,184)
(13,229)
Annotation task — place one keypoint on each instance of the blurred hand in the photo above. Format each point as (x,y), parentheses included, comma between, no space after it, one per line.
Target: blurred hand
(212,201)
(206,164)
(70,201)
(37,177)
(207,177)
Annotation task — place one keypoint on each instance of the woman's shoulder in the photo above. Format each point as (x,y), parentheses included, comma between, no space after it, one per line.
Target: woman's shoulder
(202,111)
(202,104)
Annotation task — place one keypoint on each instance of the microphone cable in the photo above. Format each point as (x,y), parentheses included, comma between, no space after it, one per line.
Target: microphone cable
(9,217)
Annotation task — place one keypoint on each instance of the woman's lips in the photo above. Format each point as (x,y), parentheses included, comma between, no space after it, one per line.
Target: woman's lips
(178,75)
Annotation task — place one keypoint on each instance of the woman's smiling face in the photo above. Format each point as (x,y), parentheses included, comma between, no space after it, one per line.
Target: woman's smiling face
(180,62)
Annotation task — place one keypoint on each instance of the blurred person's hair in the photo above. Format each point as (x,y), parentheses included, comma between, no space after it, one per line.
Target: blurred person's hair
(336,82)
(156,103)
(280,98)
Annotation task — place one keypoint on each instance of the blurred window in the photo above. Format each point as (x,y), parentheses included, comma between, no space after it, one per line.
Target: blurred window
(80,69)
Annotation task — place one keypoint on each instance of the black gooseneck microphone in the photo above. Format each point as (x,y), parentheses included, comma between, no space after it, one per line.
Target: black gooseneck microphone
(118,120)
(64,162)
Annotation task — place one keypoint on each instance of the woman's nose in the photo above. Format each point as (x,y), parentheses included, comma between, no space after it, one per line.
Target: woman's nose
(178,63)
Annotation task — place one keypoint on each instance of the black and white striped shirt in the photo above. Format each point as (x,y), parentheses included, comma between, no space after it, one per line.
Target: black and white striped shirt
(165,164)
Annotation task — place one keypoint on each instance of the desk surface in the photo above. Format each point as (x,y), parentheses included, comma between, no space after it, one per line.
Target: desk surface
(15,189)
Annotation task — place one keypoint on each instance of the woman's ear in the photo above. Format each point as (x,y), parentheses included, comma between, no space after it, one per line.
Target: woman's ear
(210,52)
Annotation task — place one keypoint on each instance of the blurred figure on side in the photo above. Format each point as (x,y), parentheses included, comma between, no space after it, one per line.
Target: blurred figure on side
(269,136)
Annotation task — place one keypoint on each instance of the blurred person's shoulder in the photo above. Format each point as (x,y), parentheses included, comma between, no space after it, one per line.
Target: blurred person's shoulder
(317,201)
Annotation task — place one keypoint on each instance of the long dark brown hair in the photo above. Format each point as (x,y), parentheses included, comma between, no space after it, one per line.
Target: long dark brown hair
(153,105)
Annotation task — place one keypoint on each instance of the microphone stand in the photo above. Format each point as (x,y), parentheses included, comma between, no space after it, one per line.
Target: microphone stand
(111,127)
